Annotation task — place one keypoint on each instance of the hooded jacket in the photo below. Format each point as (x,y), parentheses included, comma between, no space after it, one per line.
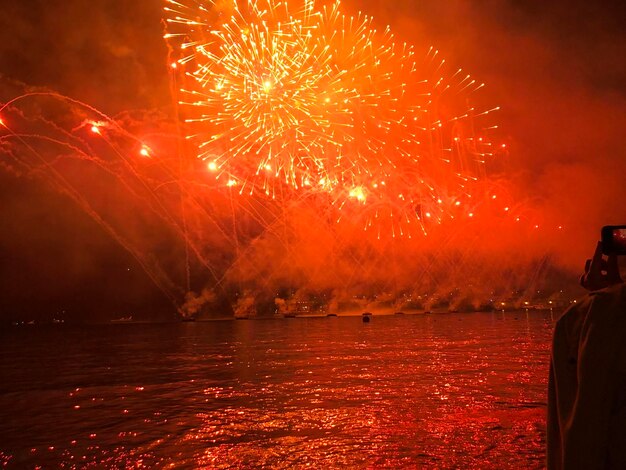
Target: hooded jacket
(586,426)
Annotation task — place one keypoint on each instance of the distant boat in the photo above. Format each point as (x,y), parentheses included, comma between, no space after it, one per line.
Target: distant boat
(244,308)
(123,319)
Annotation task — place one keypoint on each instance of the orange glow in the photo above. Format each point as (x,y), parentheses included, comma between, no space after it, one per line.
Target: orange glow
(358,193)
(307,137)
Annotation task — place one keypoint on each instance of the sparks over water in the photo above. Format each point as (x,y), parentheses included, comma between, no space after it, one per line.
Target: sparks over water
(310,127)
(300,95)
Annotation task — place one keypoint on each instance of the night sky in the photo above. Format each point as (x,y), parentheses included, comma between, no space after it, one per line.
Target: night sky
(555,68)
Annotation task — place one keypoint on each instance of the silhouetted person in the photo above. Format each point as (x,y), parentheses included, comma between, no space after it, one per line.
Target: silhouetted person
(587,384)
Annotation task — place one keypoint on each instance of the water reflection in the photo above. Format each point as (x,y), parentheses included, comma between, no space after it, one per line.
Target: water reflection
(437,391)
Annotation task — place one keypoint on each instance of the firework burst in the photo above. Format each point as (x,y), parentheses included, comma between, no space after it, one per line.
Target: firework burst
(313,99)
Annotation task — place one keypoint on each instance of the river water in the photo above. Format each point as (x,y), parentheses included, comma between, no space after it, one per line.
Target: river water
(404,391)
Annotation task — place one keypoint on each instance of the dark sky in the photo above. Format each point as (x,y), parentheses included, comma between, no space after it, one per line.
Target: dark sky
(556,68)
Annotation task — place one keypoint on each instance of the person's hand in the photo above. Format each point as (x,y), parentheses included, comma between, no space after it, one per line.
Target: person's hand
(600,272)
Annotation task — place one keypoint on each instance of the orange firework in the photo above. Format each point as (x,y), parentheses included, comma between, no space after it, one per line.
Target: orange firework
(296,95)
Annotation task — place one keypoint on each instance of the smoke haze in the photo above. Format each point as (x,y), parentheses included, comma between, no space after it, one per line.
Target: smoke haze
(555,69)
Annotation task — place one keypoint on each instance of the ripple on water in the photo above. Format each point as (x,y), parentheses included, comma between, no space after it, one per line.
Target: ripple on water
(464,390)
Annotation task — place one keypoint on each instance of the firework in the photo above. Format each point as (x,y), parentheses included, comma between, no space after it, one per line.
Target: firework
(314,99)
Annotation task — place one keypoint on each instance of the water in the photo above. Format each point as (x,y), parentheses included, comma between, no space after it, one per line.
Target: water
(430,391)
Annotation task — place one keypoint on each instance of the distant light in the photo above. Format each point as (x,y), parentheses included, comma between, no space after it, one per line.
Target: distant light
(358,194)
(212,166)
(457,203)
(174,65)
(494,196)
(427,214)
(231,183)
(267,86)
(506,209)
(95,129)
(471,214)
(145,151)
(503,146)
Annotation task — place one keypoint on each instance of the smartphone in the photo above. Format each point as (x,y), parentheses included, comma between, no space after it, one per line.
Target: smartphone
(614,240)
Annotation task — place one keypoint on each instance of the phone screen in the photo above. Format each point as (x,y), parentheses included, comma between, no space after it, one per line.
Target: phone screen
(614,240)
